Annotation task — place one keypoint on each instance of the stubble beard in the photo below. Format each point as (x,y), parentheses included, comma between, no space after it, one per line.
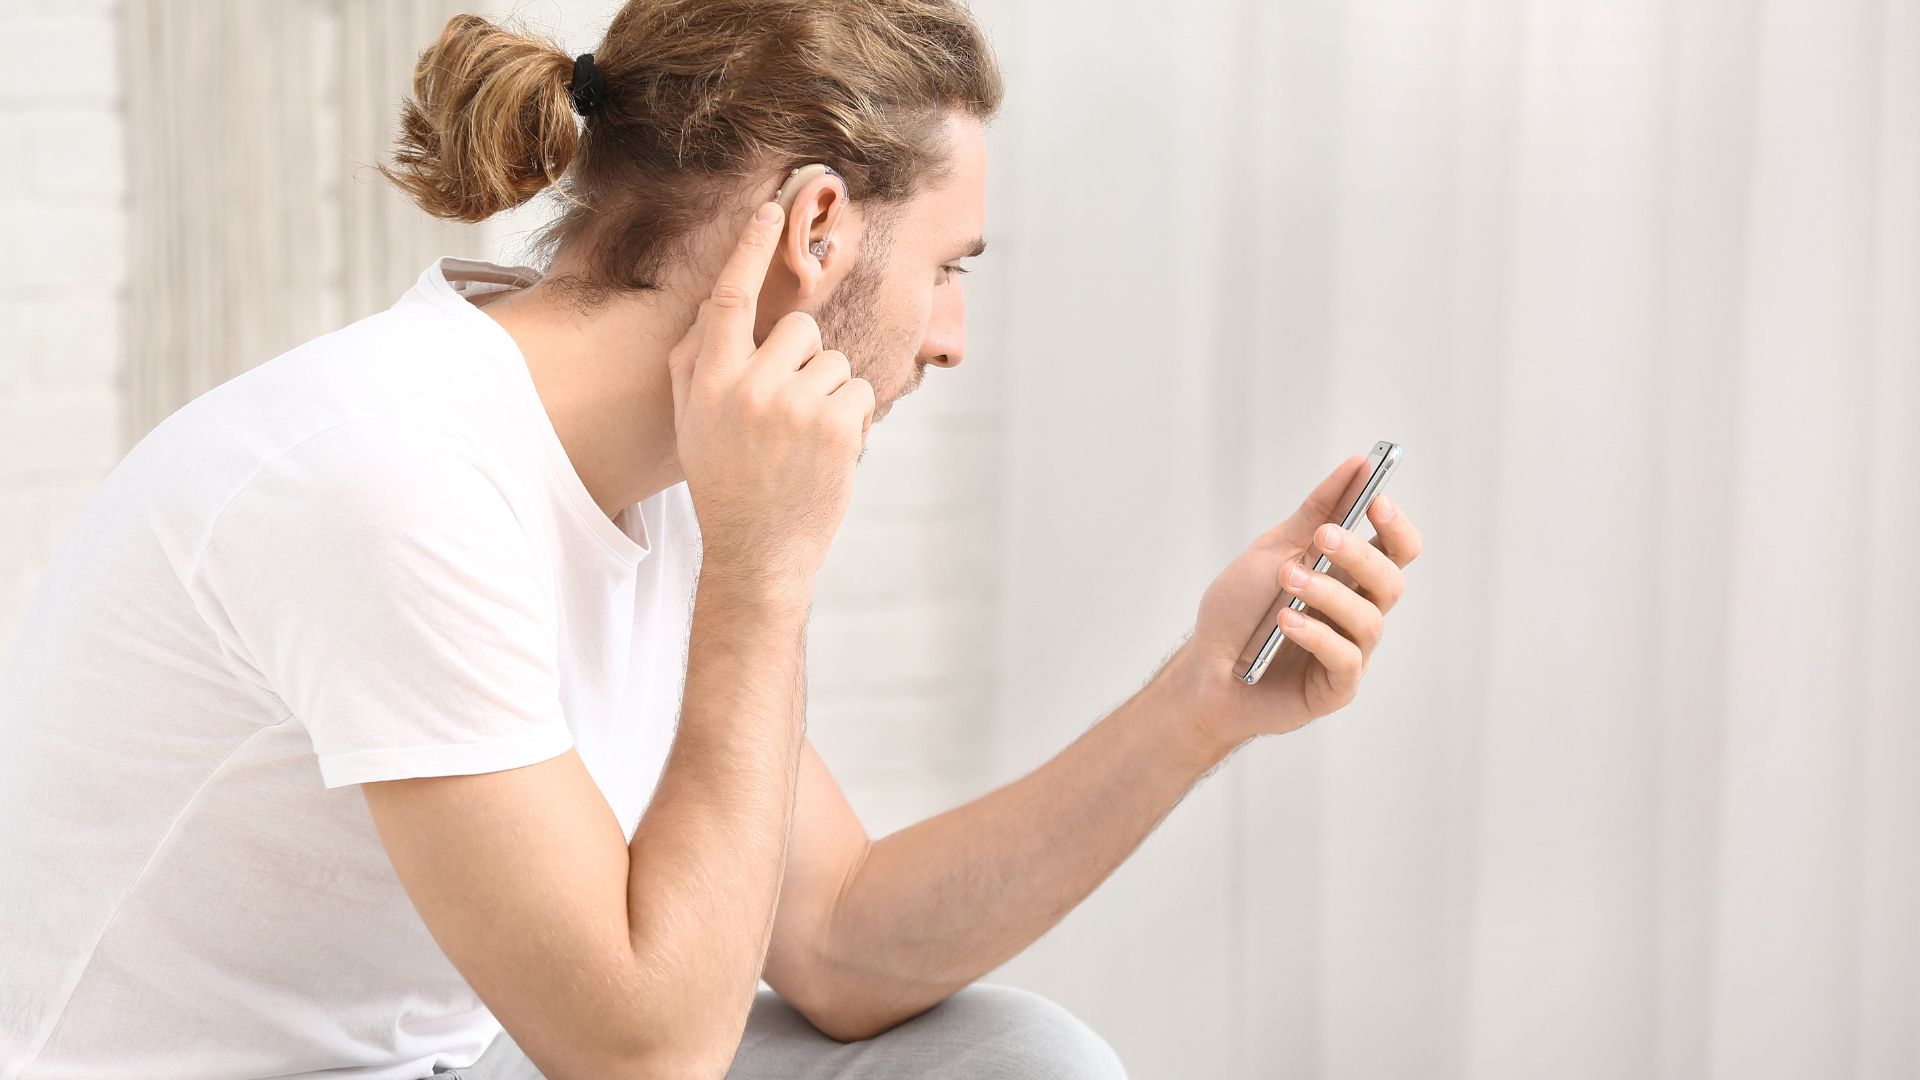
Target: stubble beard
(849,322)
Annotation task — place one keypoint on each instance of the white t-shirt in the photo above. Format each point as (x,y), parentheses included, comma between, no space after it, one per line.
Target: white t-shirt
(369,558)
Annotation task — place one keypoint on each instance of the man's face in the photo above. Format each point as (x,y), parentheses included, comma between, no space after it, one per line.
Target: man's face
(901,305)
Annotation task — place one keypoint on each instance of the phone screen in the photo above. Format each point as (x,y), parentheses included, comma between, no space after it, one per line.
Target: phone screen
(1266,638)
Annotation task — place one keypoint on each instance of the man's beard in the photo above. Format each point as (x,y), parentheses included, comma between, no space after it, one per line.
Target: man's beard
(849,321)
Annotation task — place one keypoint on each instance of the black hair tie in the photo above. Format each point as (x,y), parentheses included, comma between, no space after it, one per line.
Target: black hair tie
(588,85)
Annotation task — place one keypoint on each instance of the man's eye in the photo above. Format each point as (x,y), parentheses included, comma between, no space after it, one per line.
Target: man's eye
(952,270)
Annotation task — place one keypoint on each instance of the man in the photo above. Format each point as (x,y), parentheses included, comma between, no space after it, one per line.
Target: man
(341,731)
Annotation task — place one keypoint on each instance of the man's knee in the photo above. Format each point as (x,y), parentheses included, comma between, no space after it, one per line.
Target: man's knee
(991,1031)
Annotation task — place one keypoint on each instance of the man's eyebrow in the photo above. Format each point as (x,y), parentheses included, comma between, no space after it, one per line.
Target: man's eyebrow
(976,246)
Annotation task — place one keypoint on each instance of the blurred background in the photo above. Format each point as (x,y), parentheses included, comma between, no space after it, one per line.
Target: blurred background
(1633,786)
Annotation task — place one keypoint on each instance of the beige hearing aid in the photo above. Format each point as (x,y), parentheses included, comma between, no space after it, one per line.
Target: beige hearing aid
(790,191)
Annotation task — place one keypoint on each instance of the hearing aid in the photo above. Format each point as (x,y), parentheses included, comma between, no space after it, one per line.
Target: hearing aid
(790,191)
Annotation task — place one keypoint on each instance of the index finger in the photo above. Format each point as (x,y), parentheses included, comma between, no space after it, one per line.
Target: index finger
(1396,536)
(1373,573)
(736,292)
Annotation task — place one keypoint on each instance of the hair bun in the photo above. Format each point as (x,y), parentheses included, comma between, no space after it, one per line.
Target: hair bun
(490,123)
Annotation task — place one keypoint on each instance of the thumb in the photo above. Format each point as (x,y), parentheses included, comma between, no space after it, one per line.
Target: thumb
(1324,503)
(1320,507)
(682,358)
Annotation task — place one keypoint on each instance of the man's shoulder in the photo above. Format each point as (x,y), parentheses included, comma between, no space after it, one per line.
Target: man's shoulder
(379,470)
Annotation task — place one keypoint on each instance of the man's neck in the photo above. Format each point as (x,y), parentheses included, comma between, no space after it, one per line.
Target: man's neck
(604,381)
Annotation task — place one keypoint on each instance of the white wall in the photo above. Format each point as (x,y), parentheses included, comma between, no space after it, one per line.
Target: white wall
(62,194)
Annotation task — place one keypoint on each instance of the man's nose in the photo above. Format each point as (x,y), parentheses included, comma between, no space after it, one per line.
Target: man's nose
(946,339)
(945,354)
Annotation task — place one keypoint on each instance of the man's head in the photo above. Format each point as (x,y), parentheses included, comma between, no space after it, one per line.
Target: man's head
(704,107)
(889,295)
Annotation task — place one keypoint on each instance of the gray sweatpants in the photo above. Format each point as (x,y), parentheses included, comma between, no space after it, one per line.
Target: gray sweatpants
(983,1032)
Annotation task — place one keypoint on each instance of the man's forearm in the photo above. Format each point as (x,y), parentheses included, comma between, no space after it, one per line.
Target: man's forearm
(940,903)
(705,862)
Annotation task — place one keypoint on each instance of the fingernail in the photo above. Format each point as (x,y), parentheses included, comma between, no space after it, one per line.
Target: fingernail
(768,213)
(1289,617)
(1386,508)
(1330,538)
(1296,577)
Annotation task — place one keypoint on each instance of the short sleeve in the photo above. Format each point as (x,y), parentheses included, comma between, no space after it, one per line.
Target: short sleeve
(383,587)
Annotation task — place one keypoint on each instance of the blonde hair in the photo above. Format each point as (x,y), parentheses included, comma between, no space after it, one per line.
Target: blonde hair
(699,96)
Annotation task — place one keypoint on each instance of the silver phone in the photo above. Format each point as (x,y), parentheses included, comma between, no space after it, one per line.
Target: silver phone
(1267,637)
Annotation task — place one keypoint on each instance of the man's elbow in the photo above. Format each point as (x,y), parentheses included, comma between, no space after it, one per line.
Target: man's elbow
(825,1008)
(841,1027)
(844,1019)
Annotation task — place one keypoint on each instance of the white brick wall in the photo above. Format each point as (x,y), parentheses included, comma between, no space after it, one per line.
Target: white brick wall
(62,215)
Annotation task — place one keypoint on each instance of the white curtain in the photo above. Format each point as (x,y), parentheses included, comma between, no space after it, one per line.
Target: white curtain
(1633,787)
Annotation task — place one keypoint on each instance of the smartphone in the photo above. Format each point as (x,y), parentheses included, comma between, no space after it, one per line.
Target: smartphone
(1267,637)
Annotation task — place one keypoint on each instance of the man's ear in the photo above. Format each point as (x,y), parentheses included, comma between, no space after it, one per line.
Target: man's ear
(817,211)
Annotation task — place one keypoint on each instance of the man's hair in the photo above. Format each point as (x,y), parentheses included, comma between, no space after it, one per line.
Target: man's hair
(699,96)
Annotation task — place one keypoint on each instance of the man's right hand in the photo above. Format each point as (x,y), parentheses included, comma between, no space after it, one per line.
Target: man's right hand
(767,436)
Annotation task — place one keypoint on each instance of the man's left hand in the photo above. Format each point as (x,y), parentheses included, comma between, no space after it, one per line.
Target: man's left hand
(1319,667)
